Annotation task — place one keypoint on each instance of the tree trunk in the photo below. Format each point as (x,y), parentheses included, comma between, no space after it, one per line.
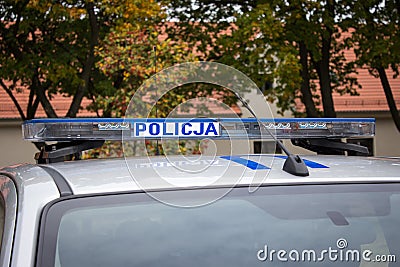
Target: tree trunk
(48,108)
(13,99)
(41,95)
(90,60)
(32,110)
(306,95)
(325,76)
(389,97)
(33,103)
(325,81)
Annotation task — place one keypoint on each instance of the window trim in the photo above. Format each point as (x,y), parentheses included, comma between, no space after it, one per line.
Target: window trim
(8,192)
(51,217)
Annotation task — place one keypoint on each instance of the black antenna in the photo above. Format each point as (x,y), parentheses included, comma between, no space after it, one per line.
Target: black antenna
(155,72)
(293,164)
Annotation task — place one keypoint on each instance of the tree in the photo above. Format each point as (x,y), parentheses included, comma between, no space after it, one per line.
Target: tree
(307,29)
(377,42)
(256,46)
(315,29)
(236,33)
(130,56)
(27,55)
(49,47)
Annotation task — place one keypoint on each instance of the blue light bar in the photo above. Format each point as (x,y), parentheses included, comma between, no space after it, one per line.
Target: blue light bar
(40,130)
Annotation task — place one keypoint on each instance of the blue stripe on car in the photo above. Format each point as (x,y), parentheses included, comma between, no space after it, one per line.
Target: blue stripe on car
(309,163)
(257,166)
(248,163)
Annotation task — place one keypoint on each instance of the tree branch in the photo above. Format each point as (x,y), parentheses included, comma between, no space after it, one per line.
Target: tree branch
(306,95)
(389,96)
(41,95)
(40,92)
(30,102)
(14,100)
(90,60)
(32,111)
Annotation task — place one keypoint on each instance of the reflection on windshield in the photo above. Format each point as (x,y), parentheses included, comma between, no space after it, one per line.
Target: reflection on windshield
(239,230)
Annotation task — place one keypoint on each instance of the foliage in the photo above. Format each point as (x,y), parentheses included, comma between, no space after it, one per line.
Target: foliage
(266,41)
(255,46)
(319,32)
(49,47)
(130,57)
(376,35)
(104,50)
(32,34)
(376,40)
(116,149)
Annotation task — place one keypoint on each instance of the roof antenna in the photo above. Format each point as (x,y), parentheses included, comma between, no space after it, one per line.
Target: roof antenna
(155,72)
(293,164)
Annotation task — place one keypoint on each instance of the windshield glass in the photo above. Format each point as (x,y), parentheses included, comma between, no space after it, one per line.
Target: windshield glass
(347,225)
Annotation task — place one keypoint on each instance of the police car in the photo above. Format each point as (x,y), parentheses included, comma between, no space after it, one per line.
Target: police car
(220,210)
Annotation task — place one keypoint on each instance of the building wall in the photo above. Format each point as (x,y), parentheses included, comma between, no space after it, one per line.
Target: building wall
(386,142)
(13,148)
(387,137)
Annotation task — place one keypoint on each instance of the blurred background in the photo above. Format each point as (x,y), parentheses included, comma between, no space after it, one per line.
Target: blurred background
(82,58)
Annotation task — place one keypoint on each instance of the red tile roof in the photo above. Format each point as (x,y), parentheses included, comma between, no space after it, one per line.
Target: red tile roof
(60,105)
(371,97)
(207,107)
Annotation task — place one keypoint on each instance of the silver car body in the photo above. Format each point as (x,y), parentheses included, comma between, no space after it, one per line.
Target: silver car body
(33,186)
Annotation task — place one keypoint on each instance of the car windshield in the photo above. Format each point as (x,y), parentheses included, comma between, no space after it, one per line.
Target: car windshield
(309,225)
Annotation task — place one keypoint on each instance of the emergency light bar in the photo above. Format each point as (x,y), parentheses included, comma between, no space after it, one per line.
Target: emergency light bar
(40,130)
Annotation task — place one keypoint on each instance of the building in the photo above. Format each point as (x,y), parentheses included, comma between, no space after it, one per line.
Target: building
(14,148)
(371,102)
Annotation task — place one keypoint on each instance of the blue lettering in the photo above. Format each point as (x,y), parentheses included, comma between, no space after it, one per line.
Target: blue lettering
(211,128)
(140,127)
(184,132)
(154,128)
(201,129)
(165,130)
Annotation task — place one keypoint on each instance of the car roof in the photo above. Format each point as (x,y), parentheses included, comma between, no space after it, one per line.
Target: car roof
(174,172)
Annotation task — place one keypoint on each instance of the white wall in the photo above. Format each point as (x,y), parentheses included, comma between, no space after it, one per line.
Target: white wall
(13,148)
(386,140)
(387,137)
